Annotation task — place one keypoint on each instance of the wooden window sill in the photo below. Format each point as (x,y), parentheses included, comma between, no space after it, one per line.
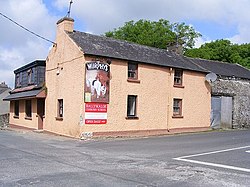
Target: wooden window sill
(132,118)
(28,118)
(177,116)
(16,117)
(178,86)
(133,80)
(59,118)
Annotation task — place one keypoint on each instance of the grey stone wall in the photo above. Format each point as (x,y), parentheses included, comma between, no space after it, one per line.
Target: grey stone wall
(240,91)
(4,120)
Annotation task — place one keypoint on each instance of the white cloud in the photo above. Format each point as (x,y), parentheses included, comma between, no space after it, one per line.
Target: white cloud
(18,47)
(100,16)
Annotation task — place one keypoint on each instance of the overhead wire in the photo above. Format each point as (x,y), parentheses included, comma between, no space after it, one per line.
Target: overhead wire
(27,29)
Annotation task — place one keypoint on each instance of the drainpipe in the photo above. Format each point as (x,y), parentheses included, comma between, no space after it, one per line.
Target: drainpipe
(169,96)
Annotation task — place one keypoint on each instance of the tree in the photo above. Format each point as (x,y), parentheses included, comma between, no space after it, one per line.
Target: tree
(223,50)
(158,34)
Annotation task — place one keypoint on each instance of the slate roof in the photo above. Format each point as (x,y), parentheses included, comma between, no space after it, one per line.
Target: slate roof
(32,64)
(119,49)
(3,87)
(223,68)
(21,95)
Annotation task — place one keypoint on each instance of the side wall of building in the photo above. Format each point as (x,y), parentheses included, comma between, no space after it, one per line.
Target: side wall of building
(196,98)
(64,80)
(240,91)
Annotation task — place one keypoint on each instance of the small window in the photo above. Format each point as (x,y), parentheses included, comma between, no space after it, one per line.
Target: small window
(177,107)
(178,74)
(28,110)
(132,70)
(131,106)
(18,79)
(60,108)
(30,76)
(16,108)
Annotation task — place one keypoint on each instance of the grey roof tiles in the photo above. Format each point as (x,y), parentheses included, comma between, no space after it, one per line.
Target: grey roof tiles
(119,49)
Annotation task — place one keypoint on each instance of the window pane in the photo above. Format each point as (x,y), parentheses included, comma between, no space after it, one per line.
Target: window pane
(178,76)
(132,70)
(131,108)
(28,108)
(16,108)
(177,107)
(60,107)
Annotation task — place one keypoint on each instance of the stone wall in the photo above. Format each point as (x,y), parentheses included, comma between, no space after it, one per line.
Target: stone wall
(4,120)
(240,91)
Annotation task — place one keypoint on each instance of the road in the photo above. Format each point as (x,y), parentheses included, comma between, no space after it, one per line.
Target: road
(200,159)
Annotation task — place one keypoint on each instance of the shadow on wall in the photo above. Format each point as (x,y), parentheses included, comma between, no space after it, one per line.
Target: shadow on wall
(4,120)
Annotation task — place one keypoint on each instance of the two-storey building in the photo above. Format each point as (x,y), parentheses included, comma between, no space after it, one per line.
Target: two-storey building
(27,99)
(99,86)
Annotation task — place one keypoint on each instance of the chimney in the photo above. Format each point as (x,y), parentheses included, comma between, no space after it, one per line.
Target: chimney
(173,47)
(65,24)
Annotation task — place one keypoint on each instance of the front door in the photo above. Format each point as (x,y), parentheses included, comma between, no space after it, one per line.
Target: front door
(40,112)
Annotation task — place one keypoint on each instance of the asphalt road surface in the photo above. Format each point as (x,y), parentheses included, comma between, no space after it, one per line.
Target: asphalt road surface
(199,159)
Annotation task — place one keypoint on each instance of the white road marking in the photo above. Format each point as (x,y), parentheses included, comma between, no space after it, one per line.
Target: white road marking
(215,165)
(184,158)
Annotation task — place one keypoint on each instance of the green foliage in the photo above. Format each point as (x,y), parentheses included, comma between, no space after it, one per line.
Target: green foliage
(223,50)
(158,34)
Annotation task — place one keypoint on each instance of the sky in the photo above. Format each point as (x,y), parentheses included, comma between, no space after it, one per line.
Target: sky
(214,19)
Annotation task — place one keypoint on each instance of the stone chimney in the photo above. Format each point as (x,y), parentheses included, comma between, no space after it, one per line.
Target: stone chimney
(65,24)
(173,47)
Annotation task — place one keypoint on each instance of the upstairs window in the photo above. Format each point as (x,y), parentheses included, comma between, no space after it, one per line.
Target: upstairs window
(178,75)
(132,70)
(60,108)
(131,106)
(177,107)
(28,110)
(30,76)
(18,79)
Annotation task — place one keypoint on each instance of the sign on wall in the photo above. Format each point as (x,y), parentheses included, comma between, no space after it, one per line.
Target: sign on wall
(95,113)
(97,82)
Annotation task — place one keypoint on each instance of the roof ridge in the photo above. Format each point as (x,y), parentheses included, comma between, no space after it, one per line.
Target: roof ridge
(191,60)
(215,61)
(125,41)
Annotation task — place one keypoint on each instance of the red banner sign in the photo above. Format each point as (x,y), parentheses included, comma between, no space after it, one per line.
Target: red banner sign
(95,113)
(95,107)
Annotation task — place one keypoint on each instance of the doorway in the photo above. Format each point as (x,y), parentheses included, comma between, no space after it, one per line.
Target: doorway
(40,112)
(221,112)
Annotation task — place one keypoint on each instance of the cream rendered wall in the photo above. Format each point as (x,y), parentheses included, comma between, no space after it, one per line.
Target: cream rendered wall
(21,121)
(64,80)
(155,94)
(196,101)
(152,92)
